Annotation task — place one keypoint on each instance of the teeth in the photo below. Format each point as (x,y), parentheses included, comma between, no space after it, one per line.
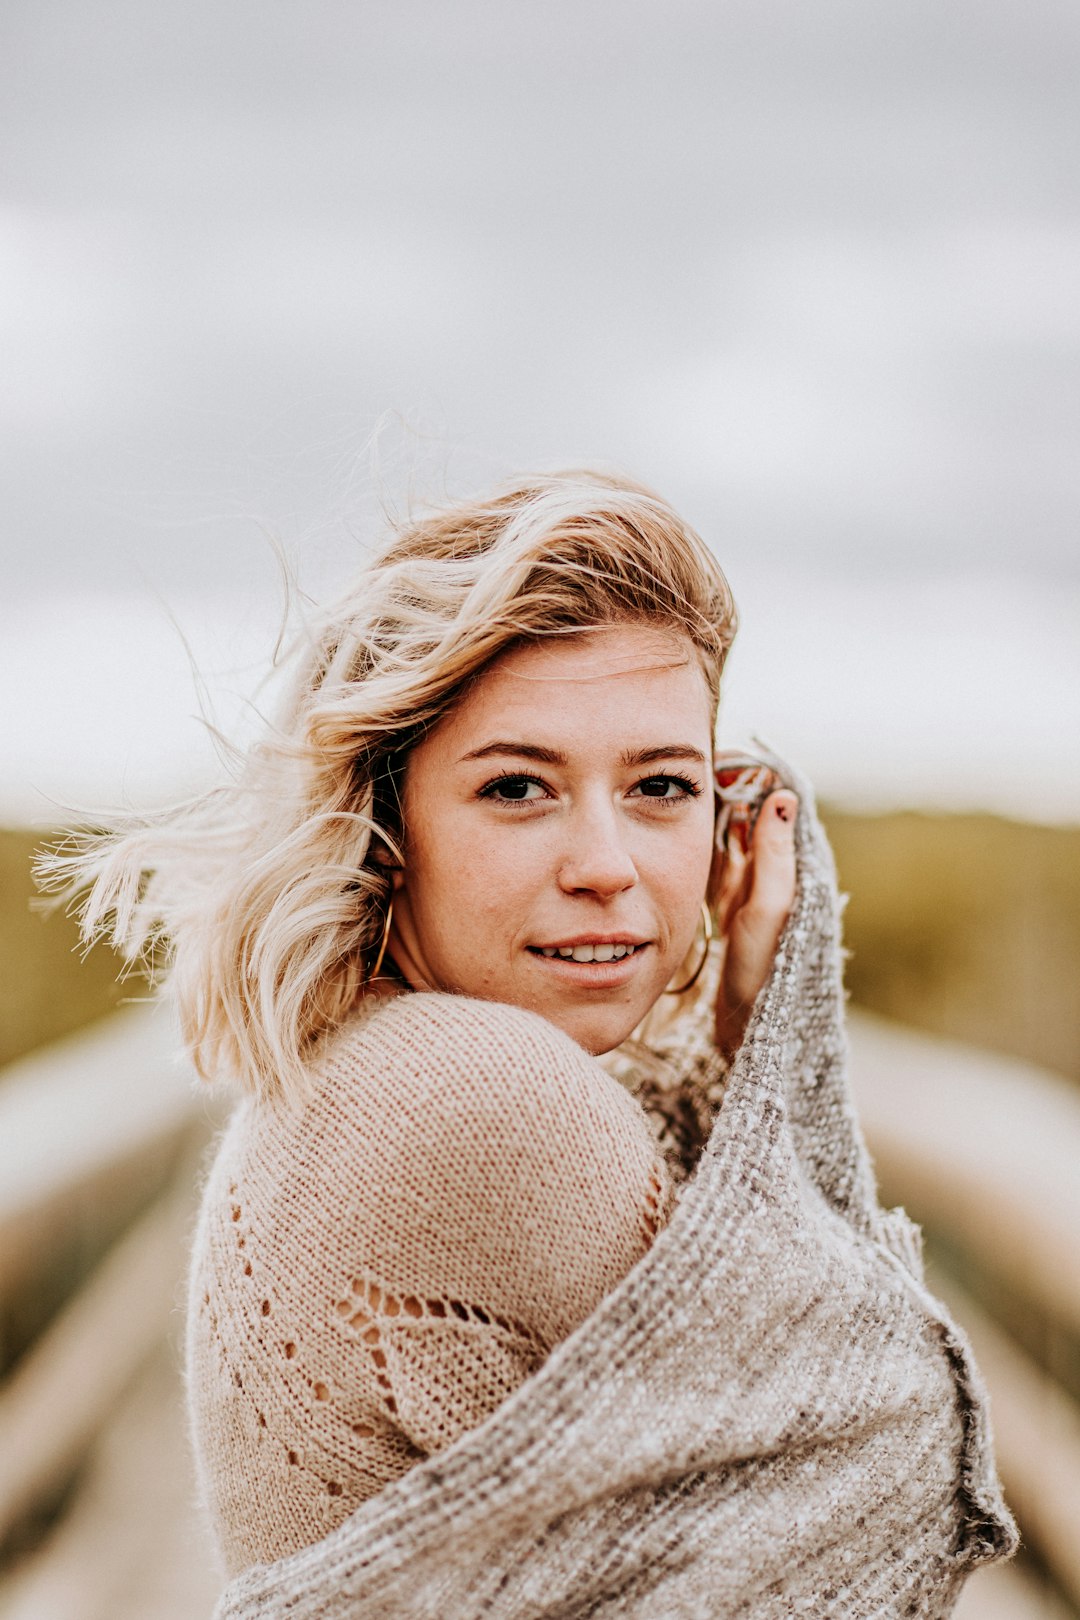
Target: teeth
(588,953)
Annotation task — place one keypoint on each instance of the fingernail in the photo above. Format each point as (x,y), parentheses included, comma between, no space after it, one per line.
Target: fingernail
(784,810)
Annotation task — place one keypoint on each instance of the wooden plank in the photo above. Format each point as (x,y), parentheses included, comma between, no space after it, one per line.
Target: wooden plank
(998,1593)
(1037,1435)
(80,1119)
(132,1546)
(982,1148)
(61,1392)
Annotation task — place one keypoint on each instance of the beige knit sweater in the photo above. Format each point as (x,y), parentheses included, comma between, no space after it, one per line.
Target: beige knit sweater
(377,1270)
(456,1350)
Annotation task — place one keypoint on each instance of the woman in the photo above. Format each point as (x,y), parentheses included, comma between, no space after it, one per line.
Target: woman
(478,1325)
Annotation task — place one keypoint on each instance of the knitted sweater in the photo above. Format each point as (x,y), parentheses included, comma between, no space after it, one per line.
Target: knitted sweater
(377,1270)
(447,1359)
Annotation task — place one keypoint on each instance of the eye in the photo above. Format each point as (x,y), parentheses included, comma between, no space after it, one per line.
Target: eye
(513,788)
(670,788)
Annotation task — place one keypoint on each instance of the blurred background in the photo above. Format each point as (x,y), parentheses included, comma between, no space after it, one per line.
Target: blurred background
(269,272)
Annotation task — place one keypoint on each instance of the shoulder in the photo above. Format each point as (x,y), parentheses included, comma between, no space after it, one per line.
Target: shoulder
(430,1032)
(489,1158)
(478,1068)
(469,1024)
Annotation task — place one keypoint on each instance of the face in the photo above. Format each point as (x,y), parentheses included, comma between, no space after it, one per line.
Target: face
(558,832)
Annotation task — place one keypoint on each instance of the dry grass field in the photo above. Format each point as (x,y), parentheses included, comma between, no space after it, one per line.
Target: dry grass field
(963,925)
(966,926)
(47,989)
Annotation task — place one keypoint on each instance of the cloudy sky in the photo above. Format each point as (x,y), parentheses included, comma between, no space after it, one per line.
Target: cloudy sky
(811,270)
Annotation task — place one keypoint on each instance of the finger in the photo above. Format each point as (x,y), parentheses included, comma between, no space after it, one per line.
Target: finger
(732,886)
(756,925)
(772,879)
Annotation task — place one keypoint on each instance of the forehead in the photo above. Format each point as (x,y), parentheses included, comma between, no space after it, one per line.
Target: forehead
(639,671)
(595,654)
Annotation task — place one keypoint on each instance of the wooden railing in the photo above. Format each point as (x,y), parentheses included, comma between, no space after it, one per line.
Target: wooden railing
(100,1139)
(985,1151)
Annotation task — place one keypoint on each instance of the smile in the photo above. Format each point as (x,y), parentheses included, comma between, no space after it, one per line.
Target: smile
(587,953)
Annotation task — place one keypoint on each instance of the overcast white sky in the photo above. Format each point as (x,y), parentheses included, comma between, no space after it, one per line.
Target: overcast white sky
(811,270)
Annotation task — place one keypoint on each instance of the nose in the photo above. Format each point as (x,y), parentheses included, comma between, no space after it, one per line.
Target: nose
(596,859)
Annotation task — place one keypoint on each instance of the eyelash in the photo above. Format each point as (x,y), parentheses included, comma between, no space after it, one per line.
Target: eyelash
(690,789)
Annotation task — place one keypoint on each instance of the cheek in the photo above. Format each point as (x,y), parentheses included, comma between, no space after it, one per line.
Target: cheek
(495,879)
(460,886)
(688,856)
(690,874)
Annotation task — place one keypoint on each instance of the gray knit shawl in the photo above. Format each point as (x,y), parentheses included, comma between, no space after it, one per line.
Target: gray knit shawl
(769,1416)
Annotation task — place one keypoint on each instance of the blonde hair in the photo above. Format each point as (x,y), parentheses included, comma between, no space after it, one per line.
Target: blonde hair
(264,901)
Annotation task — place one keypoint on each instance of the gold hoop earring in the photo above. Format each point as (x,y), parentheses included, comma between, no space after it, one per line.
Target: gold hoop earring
(706,918)
(374,974)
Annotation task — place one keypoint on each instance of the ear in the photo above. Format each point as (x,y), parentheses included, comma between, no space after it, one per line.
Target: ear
(387,861)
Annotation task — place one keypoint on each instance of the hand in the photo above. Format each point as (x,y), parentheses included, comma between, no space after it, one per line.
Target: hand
(757,891)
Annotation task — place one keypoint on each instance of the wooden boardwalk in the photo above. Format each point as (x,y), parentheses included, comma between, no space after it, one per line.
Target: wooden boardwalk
(131,1545)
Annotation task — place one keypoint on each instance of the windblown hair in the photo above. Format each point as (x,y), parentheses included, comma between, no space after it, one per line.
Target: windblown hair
(263,902)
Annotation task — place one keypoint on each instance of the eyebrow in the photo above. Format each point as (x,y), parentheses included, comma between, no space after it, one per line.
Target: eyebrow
(552,756)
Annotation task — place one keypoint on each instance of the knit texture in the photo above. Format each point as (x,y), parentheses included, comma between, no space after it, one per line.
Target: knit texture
(377,1271)
(439,1364)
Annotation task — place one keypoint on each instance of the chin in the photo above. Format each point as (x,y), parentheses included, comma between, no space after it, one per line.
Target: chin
(598,1030)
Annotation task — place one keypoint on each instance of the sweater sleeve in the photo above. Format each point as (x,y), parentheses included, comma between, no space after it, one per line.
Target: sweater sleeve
(510,1183)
